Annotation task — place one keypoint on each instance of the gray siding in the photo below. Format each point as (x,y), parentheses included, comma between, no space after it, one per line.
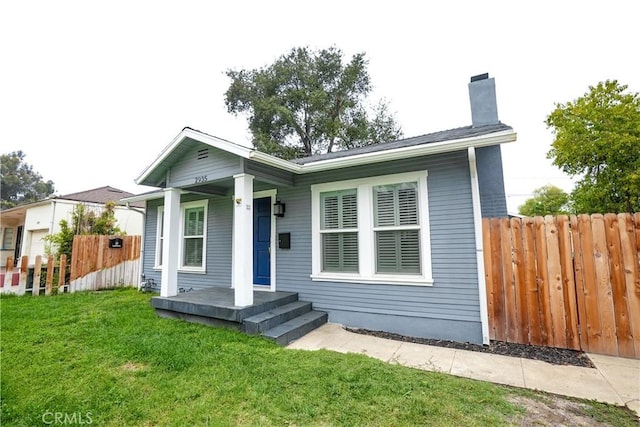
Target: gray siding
(448,309)
(491,182)
(219,229)
(150,235)
(268,174)
(217,165)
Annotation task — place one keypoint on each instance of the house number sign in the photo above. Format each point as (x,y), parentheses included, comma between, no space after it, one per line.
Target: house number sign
(200,179)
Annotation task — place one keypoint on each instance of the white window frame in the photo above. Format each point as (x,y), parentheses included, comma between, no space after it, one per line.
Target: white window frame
(338,230)
(366,234)
(183,207)
(159,237)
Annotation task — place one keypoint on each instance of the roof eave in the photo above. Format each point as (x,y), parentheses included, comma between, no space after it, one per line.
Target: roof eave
(268,159)
(143,197)
(197,136)
(495,138)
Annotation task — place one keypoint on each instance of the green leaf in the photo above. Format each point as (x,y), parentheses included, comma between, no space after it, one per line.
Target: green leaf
(309,102)
(597,138)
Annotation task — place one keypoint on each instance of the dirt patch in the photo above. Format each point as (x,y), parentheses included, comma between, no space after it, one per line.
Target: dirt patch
(556,356)
(553,411)
(132,367)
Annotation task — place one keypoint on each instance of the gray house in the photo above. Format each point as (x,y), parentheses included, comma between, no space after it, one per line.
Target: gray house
(385,237)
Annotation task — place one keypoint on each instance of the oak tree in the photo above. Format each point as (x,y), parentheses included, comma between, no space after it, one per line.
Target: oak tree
(310,102)
(19,183)
(597,138)
(546,200)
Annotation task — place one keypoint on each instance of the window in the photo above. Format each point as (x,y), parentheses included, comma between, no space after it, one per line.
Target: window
(193,236)
(7,238)
(373,230)
(339,229)
(397,228)
(159,236)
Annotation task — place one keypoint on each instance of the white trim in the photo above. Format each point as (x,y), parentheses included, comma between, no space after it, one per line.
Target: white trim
(477,222)
(170,244)
(272,244)
(366,248)
(154,195)
(143,197)
(276,162)
(213,141)
(242,246)
(157,263)
(494,138)
(380,279)
(410,151)
(204,203)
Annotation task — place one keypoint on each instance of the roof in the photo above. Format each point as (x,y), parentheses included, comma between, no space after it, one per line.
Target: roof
(433,143)
(100,195)
(97,195)
(187,138)
(441,136)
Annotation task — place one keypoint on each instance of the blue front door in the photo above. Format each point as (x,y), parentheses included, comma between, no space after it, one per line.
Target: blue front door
(262,241)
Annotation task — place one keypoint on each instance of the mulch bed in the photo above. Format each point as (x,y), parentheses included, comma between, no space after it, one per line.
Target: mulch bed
(556,356)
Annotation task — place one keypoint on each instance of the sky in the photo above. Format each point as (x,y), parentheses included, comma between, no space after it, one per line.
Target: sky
(93,91)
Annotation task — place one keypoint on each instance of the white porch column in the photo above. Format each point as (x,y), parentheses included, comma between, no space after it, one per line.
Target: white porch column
(170,242)
(242,256)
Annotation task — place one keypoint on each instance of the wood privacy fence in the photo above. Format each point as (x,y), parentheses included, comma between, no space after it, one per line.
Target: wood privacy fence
(96,265)
(570,282)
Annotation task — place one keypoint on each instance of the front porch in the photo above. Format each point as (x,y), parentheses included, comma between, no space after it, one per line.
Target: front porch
(278,316)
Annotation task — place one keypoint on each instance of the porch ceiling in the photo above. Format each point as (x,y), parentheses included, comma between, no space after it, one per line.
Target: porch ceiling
(217,188)
(14,216)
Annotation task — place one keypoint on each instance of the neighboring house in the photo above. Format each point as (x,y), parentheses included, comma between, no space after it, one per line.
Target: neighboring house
(384,237)
(23,227)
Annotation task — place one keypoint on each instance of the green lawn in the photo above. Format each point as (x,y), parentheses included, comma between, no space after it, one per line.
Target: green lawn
(105,357)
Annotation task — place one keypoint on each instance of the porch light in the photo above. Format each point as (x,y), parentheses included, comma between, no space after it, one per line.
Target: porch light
(278,209)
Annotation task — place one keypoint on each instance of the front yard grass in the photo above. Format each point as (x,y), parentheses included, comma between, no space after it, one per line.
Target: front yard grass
(105,357)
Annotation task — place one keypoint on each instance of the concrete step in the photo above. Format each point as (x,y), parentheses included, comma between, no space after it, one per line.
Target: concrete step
(218,303)
(261,322)
(293,329)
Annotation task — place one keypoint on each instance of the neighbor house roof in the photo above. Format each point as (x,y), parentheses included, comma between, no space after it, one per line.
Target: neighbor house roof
(97,195)
(100,195)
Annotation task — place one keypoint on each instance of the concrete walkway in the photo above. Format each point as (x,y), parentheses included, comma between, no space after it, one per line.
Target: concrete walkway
(615,380)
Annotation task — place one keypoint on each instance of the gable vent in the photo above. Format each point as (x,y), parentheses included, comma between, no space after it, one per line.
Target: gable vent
(202,154)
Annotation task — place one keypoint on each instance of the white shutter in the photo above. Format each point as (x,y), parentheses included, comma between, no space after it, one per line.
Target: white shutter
(397,250)
(339,214)
(330,215)
(407,205)
(349,214)
(384,206)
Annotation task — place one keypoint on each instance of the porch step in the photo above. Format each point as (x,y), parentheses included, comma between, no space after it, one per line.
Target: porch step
(293,329)
(269,319)
(218,303)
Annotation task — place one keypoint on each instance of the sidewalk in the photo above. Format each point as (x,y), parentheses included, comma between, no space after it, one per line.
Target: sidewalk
(615,380)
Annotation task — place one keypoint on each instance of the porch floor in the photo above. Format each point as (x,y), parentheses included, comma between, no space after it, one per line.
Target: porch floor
(217,303)
(276,315)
